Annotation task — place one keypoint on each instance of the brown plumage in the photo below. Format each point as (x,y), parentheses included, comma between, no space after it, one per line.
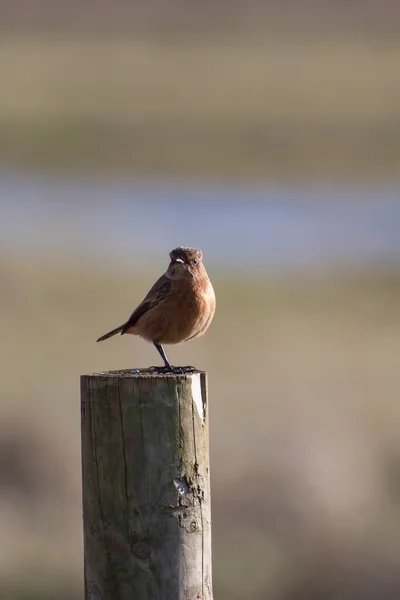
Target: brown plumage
(179,307)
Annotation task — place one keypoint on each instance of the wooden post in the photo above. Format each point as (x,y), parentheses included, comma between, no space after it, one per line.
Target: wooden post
(146,486)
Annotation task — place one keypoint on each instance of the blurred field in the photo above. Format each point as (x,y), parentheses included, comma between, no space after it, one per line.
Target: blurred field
(305,451)
(170,15)
(303,369)
(251,103)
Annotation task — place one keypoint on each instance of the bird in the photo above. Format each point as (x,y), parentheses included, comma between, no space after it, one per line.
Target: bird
(179,307)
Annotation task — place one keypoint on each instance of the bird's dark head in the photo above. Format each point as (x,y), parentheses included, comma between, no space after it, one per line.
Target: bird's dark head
(185,263)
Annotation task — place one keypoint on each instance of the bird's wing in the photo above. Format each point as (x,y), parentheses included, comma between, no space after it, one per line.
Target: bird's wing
(157,294)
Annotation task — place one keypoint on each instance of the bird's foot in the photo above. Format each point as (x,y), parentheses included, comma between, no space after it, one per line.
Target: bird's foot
(187,369)
(177,370)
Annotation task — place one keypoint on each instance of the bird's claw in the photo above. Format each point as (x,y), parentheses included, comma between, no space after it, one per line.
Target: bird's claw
(187,369)
(177,370)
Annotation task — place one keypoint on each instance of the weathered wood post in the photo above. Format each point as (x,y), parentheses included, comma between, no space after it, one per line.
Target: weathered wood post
(146,486)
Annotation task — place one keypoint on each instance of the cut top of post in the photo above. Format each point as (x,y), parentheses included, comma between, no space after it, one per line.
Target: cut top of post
(197,378)
(148,372)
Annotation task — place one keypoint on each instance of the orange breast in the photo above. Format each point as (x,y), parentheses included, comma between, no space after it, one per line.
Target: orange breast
(185,314)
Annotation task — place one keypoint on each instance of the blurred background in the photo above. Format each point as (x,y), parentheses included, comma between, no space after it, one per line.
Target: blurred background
(267,134)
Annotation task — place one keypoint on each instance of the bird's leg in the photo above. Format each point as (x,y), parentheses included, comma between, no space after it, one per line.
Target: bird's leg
(161,352)
(169,368)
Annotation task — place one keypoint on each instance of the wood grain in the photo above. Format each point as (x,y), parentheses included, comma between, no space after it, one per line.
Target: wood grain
(146,486)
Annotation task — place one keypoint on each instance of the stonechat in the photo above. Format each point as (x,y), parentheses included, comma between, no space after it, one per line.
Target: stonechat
(179,307)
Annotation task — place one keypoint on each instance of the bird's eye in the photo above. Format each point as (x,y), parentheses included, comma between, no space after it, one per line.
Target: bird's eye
(195,261)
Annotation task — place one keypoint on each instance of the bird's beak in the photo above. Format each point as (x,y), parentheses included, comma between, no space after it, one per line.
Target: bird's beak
(179,260)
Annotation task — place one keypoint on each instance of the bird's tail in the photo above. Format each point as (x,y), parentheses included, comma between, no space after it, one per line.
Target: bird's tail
(110,334)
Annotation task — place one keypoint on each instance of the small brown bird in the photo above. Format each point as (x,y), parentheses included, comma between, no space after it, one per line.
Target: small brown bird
(179,307)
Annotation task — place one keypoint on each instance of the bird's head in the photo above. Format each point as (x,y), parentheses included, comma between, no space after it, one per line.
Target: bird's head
(186,263)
